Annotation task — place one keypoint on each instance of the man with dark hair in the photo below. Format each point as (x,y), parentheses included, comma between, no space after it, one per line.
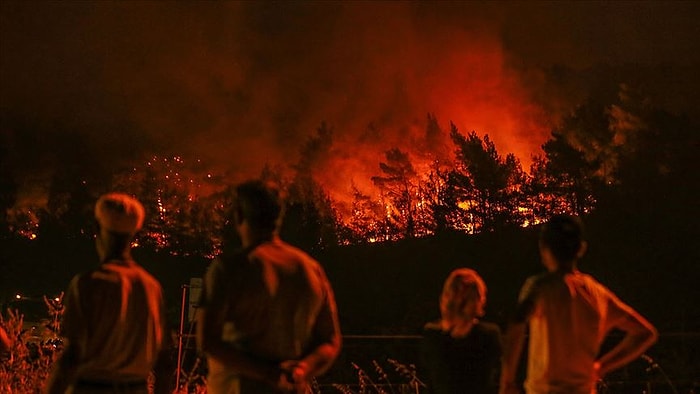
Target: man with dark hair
(267,320)
(569,314)
(113,321)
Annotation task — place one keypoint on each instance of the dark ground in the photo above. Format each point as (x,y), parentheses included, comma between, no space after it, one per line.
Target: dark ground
(392,289)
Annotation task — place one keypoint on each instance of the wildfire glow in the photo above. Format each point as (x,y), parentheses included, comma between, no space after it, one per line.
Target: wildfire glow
(405,198)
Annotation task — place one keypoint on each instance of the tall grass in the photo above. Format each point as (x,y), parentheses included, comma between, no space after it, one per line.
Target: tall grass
(26,366)
(402,380)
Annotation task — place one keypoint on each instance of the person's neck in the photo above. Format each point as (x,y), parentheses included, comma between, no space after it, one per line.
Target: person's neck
(459,328)
(124,255)
(567,268)
(251,239)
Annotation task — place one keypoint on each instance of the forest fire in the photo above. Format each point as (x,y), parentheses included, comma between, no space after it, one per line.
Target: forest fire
(476,191)
(437,180)
(409,138)
(462,184)
(375,170)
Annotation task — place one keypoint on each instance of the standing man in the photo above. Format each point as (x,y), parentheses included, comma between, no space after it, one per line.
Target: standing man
(569,314)
(113,322)
(267,320)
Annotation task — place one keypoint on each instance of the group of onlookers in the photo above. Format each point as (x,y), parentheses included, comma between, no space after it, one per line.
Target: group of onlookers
(568,313)
(267,320)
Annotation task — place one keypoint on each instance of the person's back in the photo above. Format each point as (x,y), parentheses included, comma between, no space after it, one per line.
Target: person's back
(567,327)
(469,363)
(267,319)
(461,353)
(113,319)
(569,314)
(114,315)
(292,289)
(275,294)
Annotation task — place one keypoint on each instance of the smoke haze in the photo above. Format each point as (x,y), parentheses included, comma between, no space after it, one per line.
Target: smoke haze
(243,84)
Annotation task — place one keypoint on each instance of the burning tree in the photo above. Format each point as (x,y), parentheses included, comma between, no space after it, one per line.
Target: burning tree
(438,198)
(399,192)
(183,215)
(562,181)
(486,187)
(443,181)
(365,220)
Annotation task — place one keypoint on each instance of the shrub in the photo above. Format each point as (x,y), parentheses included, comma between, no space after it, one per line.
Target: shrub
(25,368)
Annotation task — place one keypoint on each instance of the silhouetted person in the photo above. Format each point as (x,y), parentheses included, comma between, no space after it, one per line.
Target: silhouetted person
(113,322)
(268,320)
(462,353)
(569,314)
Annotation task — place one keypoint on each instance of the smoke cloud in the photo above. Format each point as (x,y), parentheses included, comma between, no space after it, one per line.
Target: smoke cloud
(240,85)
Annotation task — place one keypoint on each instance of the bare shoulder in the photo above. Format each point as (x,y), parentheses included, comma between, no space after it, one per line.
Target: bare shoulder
(295,256)
(534,284)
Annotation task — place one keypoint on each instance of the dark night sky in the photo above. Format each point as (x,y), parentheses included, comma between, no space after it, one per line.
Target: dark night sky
(242,84)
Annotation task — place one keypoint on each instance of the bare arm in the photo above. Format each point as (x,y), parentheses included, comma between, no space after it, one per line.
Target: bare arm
(639,336)
(513,340)
(327,337)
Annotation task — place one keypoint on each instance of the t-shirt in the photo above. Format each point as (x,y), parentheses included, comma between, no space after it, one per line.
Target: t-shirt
(114,315)
(272,301)
(571,315)
(462,365)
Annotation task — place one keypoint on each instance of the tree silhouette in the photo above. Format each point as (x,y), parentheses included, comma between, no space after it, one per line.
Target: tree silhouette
(311,221)
(8,190)
(180,219)
(567,177)
(438,198)
(489,187)
(399,191)
(367,219)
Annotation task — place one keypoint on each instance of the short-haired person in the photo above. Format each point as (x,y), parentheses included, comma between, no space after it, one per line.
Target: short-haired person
(569,314)
(461,353)
(267,320)
(113,321)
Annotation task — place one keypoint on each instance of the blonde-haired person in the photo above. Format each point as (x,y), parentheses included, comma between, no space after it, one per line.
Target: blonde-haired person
(461,353)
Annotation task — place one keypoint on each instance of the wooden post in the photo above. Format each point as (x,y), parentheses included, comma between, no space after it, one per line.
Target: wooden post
(179,338)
